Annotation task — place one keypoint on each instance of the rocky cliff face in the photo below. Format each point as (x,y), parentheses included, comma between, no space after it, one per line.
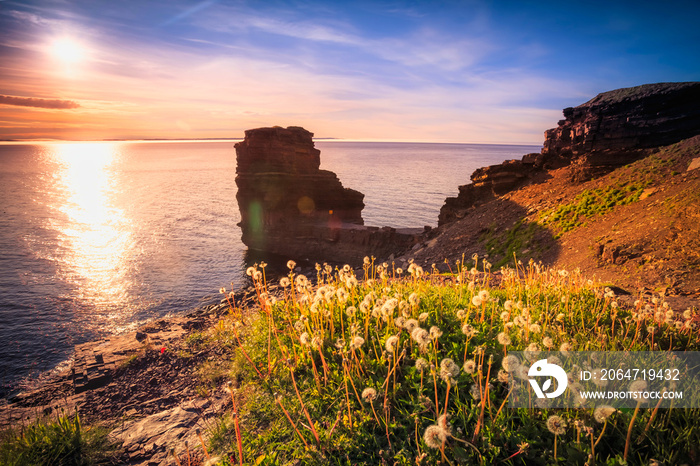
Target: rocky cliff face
(641,117)
(291,207)
(611,130)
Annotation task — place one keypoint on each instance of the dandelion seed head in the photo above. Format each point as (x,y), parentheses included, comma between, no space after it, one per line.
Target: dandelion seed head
(469,366)
(357,342)
(391,342)
(503,339)
(602,413)
(556,425)
(421,364)
(434,436)
(510,363)
(411,325)
(369,394)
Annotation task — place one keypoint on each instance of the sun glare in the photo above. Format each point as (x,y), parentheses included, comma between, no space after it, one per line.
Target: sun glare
(67,50)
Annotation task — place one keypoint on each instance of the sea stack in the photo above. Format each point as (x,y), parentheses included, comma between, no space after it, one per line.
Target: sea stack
(290,207)
(282,191)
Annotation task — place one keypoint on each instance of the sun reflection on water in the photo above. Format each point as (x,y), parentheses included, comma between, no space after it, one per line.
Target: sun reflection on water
(96,239)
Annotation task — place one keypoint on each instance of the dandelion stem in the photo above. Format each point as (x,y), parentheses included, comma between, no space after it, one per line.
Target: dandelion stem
(629,431)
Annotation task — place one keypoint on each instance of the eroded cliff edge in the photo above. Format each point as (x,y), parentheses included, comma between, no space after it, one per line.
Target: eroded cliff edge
(609,131)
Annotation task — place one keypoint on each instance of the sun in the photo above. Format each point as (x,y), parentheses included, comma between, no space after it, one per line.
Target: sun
(67,50)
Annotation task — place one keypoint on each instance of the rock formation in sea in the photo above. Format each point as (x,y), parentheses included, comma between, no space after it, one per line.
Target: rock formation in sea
(610,130)
(290,207)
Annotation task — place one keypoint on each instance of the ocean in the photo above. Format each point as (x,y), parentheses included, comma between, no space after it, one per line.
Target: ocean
(97,238)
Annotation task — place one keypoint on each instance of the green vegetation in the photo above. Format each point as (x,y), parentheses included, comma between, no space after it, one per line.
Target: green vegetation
(53,442)
(590,203)
(407,368)
(512,242)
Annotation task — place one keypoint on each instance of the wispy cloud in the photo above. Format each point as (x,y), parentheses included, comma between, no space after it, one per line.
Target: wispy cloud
(36,102)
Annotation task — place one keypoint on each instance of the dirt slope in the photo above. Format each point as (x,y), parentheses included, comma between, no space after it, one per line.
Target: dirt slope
(636,227)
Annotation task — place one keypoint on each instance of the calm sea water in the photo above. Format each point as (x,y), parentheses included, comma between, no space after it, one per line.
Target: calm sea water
(97,238)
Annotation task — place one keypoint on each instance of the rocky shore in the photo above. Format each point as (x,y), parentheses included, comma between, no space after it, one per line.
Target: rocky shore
(142,386)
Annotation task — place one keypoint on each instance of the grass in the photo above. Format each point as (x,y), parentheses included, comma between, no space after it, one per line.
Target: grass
(55,441)
(590,203)
(406,368)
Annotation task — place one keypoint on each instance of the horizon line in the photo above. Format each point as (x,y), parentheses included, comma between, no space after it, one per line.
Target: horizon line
(315,139)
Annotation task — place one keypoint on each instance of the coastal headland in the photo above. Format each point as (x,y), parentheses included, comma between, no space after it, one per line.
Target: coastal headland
(615,193)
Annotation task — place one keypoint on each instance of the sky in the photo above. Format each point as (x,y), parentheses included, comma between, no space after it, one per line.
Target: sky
(432,71)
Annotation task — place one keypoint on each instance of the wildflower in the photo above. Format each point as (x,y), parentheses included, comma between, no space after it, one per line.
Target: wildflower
(535,328)
(484,295)
(547,342)
(510,363)
(556,425)
(391,342)
(560,317)
(469,367)
(342,295)
(503,376)
(477,301)
(357,342)
(448,369)
(532,351)
(475,392)
(305,339)
(602,413)
(365,261)
(420,336)
(351,282)
(565,348)
(413,299)
(468,330)
(421,364)
(505,315)
(250,271)
(503,339)
(461,314)
(222,290)
(423,317)
(301,280)
(434,436)
(638,386)
(411,325)
(316,343)
(508,305)
(284,282)
(369,394)
(597,378)
(444,425)
(435,332)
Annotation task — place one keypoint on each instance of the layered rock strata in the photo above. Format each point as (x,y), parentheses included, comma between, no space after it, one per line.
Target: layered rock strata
(289,206)
(610,130)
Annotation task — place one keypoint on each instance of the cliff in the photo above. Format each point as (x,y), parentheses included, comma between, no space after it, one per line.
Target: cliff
(609,131)
(634,118)
(289,206)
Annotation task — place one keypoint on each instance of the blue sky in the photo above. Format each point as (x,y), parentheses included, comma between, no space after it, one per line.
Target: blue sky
(463,71)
